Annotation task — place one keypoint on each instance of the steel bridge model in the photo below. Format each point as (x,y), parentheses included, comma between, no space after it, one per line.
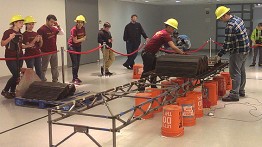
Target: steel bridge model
(79,106)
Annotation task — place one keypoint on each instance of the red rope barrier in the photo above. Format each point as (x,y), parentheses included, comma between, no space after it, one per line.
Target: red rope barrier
(87,52)
(141,46)
(192,51)
(29,57)
(220,44)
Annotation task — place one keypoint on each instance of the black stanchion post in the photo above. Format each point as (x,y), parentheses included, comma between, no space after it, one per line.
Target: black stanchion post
(104,61)
(63,64)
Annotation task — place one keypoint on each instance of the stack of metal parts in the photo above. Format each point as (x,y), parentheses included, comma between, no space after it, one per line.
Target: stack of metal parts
(49,91)
(181,65)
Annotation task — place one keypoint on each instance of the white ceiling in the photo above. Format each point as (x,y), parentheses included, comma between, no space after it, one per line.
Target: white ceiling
(187,2)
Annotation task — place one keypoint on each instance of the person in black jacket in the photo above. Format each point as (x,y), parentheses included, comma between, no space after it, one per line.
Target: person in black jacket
(104,35)
(132,37)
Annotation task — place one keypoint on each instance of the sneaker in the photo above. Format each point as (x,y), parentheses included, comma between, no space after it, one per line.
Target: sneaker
(76,82)
(80,81)
(242,94)
(109,74)
(13,95)
(127,66)
(251,65)
(230,99)
(6,94)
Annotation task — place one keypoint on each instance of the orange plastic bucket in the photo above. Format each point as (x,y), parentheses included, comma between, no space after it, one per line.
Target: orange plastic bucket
(221,85)
(137,71)
(172,121)
(138,101)
(210,92)
(154,93)
(164,84)
(197,96)
(188,110)
(228,79)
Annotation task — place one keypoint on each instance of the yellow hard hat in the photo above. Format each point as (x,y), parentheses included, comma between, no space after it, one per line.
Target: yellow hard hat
(172,22)
(80,18)
(220,11)
(16,18)
(29,19)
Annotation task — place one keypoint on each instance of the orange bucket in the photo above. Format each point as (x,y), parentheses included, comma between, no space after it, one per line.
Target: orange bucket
(164,84)
(137,71)
(228,79)
(210,92)
(188,110)
(197,96)
(138,101)
(221,85)
(179,81)
(172,121)
(154,93)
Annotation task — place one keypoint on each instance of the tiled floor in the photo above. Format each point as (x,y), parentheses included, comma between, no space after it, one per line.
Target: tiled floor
(233,124)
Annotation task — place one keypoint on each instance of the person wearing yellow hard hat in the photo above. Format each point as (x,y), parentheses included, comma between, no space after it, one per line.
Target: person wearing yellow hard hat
(237,44)
(12,40)
(32,37)
(49,32)
(152,47)
(77,36)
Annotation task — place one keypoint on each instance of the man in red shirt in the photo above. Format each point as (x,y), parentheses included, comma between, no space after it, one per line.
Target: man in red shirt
(49,33)
(152,47)
(77,36)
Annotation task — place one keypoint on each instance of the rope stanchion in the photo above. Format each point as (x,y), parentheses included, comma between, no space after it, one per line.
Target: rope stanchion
(87,52)
(29,57)
(141,46)
(63,63)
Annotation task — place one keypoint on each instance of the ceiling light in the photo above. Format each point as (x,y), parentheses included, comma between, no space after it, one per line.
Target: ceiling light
(178,1)
(146,1)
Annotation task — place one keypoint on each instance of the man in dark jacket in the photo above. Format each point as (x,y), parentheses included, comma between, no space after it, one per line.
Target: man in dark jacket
(132,37)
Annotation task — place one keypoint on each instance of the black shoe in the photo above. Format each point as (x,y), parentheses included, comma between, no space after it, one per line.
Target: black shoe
(242,94)
(127,66)
(229,99)
(109,73)
(251,65)
(76,82)
(7,95)
(259,64)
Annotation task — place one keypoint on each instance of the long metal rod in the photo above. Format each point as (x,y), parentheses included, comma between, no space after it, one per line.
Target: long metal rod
(50,128)
(114,131)
(63,64)
(65,139)
(89,127)
(93,139)
(210,47)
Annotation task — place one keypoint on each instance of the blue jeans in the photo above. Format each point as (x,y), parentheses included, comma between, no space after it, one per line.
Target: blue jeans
(14,67)
(75,58)
(237,73)
(131,47)
(35,63)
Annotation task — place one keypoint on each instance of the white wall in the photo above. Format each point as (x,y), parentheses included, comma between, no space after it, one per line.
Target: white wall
(119,13)
(257,16)
(194,22)
(38,9)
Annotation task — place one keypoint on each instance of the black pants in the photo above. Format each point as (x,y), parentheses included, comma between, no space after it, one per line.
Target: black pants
(131,47)
(14,67)
(75,58)
(149,62)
